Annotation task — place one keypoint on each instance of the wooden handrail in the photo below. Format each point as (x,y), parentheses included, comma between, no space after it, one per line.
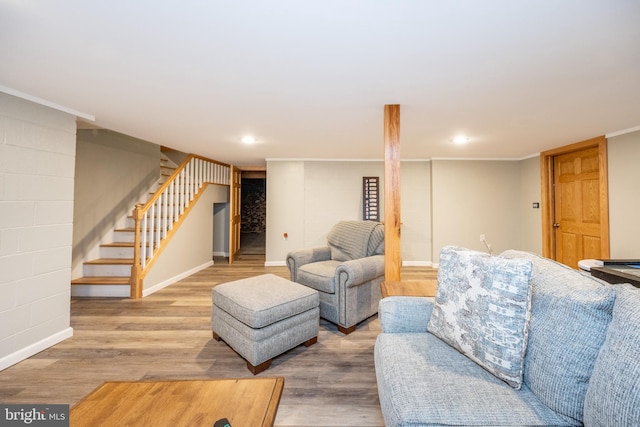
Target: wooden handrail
(155,220)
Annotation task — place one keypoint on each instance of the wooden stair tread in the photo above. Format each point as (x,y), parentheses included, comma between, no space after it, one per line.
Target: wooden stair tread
(107,261)
(101,280)
(119,245)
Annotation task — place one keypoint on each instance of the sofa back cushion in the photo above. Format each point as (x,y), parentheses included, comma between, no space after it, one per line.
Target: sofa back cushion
(350,240)
(482,309)
(613,396)
(570,314)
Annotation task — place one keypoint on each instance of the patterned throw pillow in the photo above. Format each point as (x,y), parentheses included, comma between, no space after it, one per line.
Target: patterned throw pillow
(482,309)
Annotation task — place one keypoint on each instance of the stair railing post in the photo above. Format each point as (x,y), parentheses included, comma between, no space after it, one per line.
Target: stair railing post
(136,268)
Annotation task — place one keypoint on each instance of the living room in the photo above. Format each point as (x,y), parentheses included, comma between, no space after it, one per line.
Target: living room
(445,199)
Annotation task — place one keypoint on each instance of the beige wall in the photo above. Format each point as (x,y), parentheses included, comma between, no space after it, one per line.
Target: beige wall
(285,209)
(470,198)
(530,228)
(191,248)
(415,209)
(624,196)
(37,157)
(306,198)
(333,193)
(113,173)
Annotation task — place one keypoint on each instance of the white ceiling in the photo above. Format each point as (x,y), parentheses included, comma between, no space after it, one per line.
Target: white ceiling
(310,78)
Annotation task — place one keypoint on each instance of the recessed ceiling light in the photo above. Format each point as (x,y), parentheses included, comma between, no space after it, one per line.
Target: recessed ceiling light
(248,139)
(461,139)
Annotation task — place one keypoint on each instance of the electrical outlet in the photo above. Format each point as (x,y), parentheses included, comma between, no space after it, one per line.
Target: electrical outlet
(482,238)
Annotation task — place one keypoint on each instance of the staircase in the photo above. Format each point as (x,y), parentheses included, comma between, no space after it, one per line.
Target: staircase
(110,275)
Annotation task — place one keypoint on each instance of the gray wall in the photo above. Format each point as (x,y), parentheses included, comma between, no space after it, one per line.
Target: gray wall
(113,173)
(624,195)
(37,157)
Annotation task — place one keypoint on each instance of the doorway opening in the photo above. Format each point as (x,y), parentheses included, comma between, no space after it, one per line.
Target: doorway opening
(253,213)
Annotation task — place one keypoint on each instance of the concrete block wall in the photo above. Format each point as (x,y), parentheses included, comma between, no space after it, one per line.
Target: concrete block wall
(37,162)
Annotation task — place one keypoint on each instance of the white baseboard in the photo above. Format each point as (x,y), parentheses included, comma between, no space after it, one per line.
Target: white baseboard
(221,253)
(109,291)
(35,348)
(275,264)
(404,264)
(164,284)
(417,264)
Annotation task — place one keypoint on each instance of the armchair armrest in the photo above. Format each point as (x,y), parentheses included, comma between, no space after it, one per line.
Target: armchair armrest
(361,270)
(405,314)
(297,258)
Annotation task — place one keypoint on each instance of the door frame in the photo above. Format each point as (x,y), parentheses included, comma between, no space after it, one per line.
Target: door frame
(548,196)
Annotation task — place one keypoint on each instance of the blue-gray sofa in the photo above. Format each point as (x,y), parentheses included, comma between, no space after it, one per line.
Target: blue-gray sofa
(579,348)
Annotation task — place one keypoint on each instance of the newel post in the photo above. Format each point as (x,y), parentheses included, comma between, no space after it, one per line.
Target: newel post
(136,268)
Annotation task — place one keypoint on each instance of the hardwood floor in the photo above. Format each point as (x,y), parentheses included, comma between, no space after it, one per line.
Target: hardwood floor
(167,335)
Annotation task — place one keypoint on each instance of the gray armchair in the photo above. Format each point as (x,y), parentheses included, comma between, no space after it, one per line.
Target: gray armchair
(347,272)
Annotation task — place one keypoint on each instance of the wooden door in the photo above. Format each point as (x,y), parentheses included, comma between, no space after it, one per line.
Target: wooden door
(234,217)
(578,219)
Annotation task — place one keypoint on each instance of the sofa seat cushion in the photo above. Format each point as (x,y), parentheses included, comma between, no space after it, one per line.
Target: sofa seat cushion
(482,309)
(320,276)
(613,395)
(570,314)
(423,381)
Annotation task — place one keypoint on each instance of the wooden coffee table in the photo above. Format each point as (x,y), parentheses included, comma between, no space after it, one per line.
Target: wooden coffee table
(244,402)
(412,288)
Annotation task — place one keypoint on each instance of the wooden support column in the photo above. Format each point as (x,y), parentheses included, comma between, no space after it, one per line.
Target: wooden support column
(392,254)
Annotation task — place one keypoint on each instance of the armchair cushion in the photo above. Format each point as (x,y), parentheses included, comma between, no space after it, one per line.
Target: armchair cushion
(319,275)
(355,239)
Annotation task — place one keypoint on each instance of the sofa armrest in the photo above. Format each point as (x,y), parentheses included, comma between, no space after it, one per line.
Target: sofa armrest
(359,271)
(405,314)
(298,258)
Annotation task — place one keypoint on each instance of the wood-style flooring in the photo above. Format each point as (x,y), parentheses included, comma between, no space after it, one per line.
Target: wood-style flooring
(167,335)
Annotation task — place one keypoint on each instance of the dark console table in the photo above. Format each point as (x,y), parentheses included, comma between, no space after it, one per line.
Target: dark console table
(619,271)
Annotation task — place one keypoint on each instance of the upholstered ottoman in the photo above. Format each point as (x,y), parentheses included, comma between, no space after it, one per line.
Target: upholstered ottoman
(262,317)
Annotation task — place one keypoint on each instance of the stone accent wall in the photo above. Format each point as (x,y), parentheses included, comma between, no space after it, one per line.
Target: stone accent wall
(254,206)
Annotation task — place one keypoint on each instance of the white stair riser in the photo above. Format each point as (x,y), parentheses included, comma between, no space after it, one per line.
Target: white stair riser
(100,291)
(106,270)
(123,236)
(116,252)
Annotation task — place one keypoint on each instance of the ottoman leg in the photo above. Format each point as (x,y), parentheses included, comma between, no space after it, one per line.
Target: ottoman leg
(312,341)
(216,336)
(348,330)
(255,370)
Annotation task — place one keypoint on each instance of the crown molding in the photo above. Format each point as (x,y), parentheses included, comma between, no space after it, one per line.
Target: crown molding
(46,103)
